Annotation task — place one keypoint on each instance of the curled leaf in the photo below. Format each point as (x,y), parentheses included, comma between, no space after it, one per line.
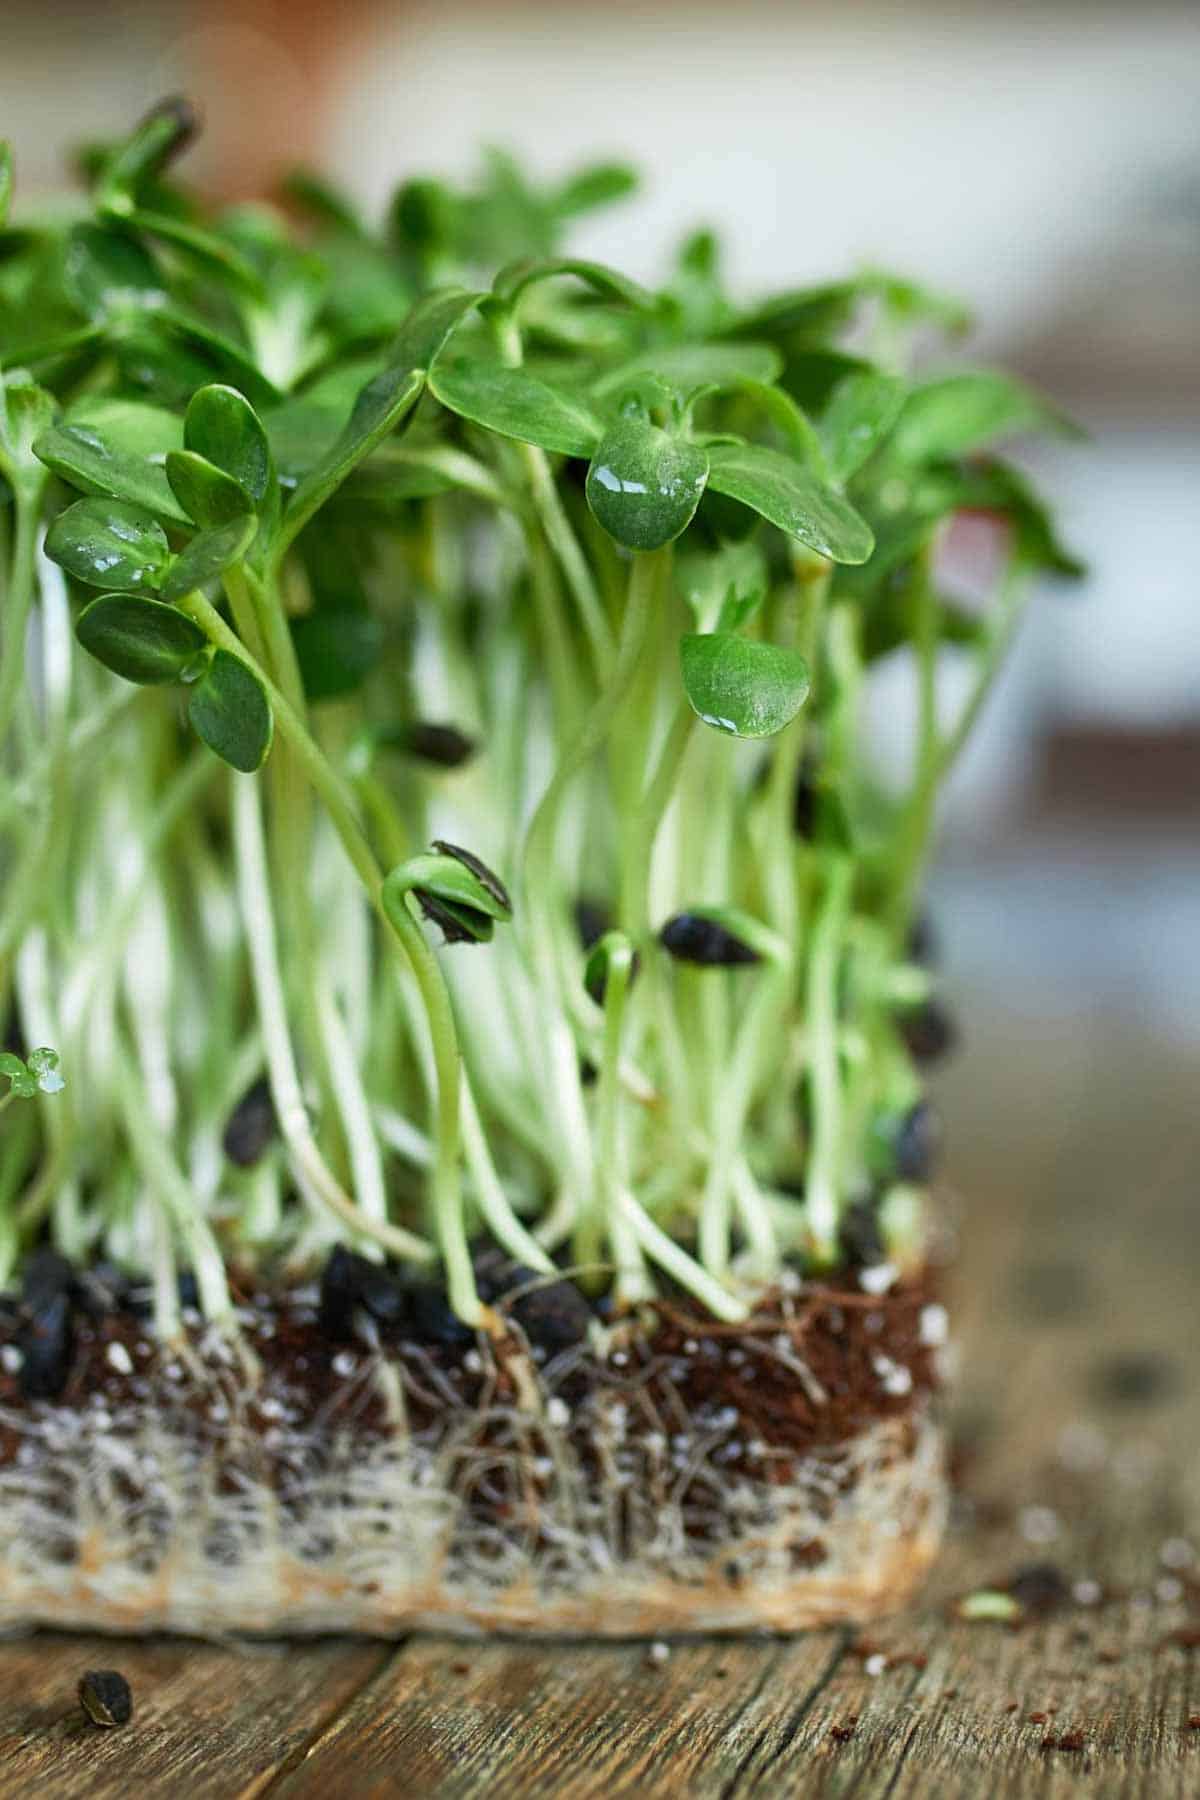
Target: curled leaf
(454,890)
(513,280)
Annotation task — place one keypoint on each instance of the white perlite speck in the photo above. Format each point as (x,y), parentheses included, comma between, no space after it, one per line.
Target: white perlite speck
(934,1326)
(1038,1524)
(117,1357)
(557,1411)
(875,1665)
(1087,1592)
(879,1278)
(658,1653)
(894,1378)
(12,1359)
(1176,1553)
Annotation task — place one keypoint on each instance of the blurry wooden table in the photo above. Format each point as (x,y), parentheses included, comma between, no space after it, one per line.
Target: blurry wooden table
(1077,1150)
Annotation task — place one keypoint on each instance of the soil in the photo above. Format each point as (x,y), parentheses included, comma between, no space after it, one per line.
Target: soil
(811,1369)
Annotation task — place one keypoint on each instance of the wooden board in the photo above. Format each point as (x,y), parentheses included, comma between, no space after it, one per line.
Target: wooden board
(1076,1306)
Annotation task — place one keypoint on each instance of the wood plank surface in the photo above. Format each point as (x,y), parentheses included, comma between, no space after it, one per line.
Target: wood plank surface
(1076,1147)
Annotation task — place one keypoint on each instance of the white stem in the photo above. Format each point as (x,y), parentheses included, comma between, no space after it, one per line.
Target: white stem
(312,1172)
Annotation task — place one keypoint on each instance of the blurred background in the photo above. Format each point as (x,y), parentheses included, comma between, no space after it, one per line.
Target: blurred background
(1041,160)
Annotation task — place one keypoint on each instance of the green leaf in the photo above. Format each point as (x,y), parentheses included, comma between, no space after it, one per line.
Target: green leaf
(997,486)
(106,270)
(328,205)
(861,412)
(221,425)
(163,134)
(515,404)
(109,544)
(117,448)
(723,586)
(513,280)
(687,367)
(208,556)
(21,1081)
(206,494)
(336,648)
(789,496)
(386,399)
(43,1066)
(210,252)
(229,711)
(808,313)
(958,413)
(180,334)
(644,485)
(741,687)
(143,640)
(26,413)
(6,180)
(599,185)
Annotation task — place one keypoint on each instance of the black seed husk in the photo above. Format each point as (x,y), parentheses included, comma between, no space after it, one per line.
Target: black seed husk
(432,1320)
(917,1142)
(859,1236)
(451,925)
(1040,1587)
(251,1125)
(1133,1377)
(106,1697)
(444,745)
(929,1032)
(46,1338)
(480,870)
(350,1281)
(592,920)
(923,945)
(689,938)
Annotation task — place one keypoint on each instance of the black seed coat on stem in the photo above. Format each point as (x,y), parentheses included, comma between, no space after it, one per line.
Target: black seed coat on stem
(251,1125)
(688,937)
(917,1143)
(444,745)
(929,1031)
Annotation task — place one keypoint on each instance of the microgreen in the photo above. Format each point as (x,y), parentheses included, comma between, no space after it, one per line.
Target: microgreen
(431,533)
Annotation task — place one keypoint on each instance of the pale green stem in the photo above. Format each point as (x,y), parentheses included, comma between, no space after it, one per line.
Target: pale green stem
(540,888)
(171,1191)
(682,1268)
(759,1026)
(254,894)
(18,602)
(822,1182)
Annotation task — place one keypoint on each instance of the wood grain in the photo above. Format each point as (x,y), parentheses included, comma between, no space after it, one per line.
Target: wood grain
(1078,1246)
